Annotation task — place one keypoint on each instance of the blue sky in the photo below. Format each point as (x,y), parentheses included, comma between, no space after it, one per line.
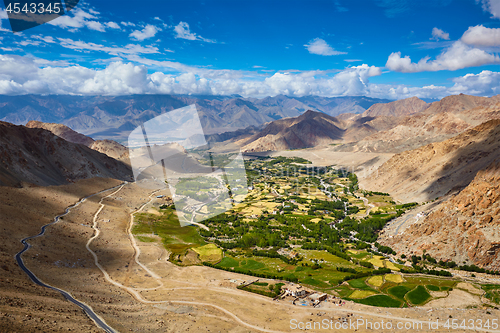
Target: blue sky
(379,48)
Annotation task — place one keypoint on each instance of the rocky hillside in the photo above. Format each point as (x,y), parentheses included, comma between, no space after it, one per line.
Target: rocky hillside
(109,147)
(37,156)
(308,130)
(312,129)
(401,108)
(433,170)
(465,228)
(441,120)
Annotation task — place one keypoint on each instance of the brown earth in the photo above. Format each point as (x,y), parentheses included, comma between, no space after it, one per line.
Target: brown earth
(36,156)
(165,297)
(433,170)
(465,228)
(109,147)
(400,108)
(313,129)
(441,120)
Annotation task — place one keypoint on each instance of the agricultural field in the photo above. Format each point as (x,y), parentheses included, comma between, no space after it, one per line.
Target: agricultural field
(299,223)
(322,278)
(492,292)
(181,242)
(395,290)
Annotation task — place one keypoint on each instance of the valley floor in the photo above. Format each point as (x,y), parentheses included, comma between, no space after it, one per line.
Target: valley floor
(136,288)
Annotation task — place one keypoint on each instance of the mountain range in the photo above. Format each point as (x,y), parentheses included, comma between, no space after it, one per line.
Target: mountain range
(108,117)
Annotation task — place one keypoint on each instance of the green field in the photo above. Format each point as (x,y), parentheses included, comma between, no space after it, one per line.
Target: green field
(399,291)
(433,287)
(175,238)
(418,295)
(492,292)
(380,300)
(145,239)
(359,284)
(324,278)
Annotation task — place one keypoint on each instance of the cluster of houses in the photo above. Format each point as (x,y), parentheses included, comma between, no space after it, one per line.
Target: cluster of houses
(288,253)
(308,297)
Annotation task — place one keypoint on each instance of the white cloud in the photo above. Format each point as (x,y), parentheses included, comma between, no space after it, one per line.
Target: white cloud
(148,32)
(113,25)
(24,75)
(457,56)
(486,83)
(481,36)
(319,46)
(3,16)
(127,49)
(78,18)
(127,24)
(438,34)
(182,31)
(492,6)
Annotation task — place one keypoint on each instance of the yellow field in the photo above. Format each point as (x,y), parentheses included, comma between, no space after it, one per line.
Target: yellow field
(353,251)
(209,252)
(316,220)
(396,278)
(376,261)
(390,265)
(376,281)
(361,293)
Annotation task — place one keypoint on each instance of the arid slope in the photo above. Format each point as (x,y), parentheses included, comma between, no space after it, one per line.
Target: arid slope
(37,156)
(464,228)
(433,170)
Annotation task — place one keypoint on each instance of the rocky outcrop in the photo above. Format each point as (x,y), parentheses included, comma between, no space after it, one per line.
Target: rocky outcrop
(465,228)
(441,120)
(401,108)
(433,170)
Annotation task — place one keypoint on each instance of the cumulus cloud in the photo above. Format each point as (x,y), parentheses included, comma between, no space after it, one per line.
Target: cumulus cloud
(25,75)
(113,25)
(438,34)
(481,36)
(486,83)
(182,31)
(457,56)
(78,18)
(21,75)
(492,6)
(320,47)
(148,32)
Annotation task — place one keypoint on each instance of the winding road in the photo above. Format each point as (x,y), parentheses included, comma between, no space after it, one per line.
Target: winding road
(135,291)
(88,310)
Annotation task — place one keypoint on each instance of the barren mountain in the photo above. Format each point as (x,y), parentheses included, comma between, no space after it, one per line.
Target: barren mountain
(464,228)
(434,169)
(404,107)
(109,147)
(39,157)
(312,129)
(308,130)
(63,132)
(441,120)
(108,117)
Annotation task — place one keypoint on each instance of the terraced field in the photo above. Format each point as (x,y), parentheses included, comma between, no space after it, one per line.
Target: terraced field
(394,290)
